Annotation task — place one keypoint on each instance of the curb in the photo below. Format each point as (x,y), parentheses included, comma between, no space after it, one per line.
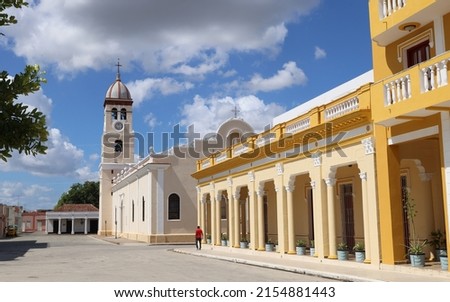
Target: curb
(308,272)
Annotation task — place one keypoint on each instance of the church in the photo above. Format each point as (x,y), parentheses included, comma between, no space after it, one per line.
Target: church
(153,199)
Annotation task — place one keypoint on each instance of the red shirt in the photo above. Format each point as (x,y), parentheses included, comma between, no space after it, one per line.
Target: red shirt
(198,233)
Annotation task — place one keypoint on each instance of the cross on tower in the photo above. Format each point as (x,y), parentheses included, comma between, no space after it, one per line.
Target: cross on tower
(118,68)
(235,111)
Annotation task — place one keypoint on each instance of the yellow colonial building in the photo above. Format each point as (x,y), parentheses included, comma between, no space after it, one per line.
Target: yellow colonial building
(342,168)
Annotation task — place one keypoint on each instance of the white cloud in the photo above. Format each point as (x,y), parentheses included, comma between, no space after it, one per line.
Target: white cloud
(61,159)
(151,120)
(319,53)
(191,37)
(289,76)
(30,196)
(208,114)
(144,89)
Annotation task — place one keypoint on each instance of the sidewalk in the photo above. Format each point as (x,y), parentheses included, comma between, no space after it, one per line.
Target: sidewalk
(327,268)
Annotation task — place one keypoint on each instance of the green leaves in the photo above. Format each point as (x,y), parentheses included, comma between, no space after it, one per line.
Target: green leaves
(21,128)
(87,193)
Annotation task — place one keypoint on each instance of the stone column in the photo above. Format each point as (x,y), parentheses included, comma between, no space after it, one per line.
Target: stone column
(85,225)
(236,220)
(261,239)
(73,226)
(59,225)
(218,218)
(331,182)
(366,219)
(290,218)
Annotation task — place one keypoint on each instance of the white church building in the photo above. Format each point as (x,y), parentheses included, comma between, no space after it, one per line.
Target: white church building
(152,199)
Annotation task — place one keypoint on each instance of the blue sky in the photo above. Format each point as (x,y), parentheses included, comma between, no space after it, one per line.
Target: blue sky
(186,62)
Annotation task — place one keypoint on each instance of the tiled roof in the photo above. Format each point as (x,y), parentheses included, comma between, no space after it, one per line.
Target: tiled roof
(77,207)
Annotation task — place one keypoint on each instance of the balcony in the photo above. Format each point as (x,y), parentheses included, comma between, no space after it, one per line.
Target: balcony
(415,93)
(342,112)
(390,17)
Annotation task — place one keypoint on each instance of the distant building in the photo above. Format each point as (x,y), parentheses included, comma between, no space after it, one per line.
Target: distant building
(33,221)
(10,216)
(72,219)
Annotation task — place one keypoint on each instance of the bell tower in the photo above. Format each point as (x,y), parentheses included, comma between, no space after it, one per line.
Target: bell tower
(117,148)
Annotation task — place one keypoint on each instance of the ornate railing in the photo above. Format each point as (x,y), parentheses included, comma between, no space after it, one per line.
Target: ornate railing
(342,108)
(298,126)
(388,7)
(397,90)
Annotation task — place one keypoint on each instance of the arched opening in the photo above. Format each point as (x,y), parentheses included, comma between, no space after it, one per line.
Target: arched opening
(114,113)
(123,114)
(174,207)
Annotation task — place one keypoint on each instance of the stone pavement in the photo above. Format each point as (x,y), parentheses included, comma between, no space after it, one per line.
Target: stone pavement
(333,269)
(327,268)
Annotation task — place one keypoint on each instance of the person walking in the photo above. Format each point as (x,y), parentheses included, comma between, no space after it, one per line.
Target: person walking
(198,237)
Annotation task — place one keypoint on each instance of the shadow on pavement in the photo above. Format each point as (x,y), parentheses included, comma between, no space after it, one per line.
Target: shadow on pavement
(12,249)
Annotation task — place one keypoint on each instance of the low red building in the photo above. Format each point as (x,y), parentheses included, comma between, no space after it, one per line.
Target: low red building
(33,221)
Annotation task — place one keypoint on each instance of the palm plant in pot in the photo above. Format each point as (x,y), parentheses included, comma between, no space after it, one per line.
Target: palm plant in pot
(224,239)
(301,247)
(360,253)
(437,241)
(243,243)
(342,251)
(312,248)
(416,245)
(269,245)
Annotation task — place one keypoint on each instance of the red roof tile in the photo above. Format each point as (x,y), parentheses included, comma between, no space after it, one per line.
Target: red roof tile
(77,207)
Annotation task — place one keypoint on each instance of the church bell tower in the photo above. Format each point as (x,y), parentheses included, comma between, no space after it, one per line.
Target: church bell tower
(117,148)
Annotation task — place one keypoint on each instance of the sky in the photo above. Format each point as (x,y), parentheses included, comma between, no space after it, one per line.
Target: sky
(185,63)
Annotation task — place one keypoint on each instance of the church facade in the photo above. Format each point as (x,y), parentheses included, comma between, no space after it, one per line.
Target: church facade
(151,199)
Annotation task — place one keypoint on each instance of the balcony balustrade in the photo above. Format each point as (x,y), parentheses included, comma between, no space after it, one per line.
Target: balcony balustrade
(397,90)
(389,7)
(342,108)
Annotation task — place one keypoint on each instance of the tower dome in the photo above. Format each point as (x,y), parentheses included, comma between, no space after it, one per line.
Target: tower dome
(118,90)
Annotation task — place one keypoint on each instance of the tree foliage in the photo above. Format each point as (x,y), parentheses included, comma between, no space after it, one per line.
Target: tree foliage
(87,193)
(21,129)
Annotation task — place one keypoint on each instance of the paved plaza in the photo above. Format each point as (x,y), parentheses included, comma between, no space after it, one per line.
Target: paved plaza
(42,257)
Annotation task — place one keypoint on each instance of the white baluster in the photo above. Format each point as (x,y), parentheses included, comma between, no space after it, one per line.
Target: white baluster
(389,7)
(388,99)
(393,94)
(399,3)
(432,77)
(398,89)
(385,10)
(444,79)
(394,5)
(408,86)
(425,80)
(404,89)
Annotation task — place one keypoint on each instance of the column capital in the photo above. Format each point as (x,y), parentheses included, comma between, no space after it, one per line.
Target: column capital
(363,175)
(251,176)
(289,188)
(280,168)
(368,144)
(313,184)
(230,181)
(330,181)
(317,159)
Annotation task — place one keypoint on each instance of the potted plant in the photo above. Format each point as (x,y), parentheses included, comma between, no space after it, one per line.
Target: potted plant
(342,251)
(301,247)
(360,253)
(312,248)
(208,238)
(416,246)
(243,243)
(224,239)
(444,260)
(437,241)
(269,245)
